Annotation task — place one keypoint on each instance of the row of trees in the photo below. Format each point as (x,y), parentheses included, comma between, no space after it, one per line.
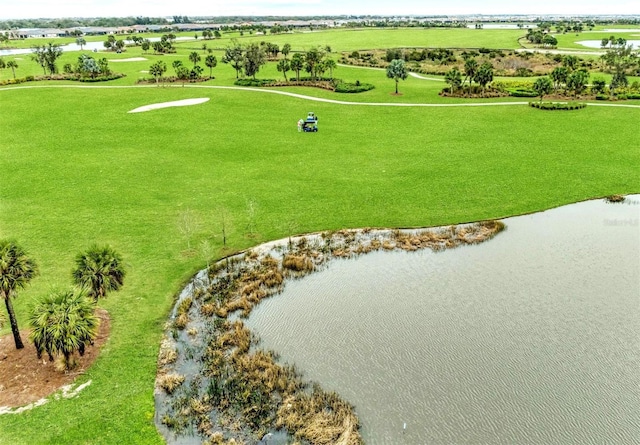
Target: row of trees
(183,72)
(482,74)
(87,66)
(63,322)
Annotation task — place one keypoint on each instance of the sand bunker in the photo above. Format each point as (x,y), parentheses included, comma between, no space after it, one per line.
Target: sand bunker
(177,103)
(130,59)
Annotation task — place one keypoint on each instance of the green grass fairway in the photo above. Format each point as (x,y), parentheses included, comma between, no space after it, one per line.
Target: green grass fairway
(78,169)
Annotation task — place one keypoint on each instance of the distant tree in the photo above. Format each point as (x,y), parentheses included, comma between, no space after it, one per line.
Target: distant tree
(217,34)
(254,58)
(284,66)
(177,64)
(312,59)
(484,75)
(559,76)
(549,40)
(3,64)
(145,45)
(454,78)
(204,47)
(570,62)
(542,86)
(604,43)
(286,49)
(13,65)
(195,73)
(47,55)
(16,270)
(331,65)
(158,69)
(297,64)
(158,48)
(81,42)
(234,55)
(211,63)
(63,323)
(119,45)
(87,66)
(396,71)
(99,270)
(577,81)
(183,73)
(194,57)
(470,68)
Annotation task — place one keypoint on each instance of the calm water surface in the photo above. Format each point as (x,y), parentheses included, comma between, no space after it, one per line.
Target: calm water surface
(530,338)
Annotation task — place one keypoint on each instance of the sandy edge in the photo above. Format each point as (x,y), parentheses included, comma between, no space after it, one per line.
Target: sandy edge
(177,103)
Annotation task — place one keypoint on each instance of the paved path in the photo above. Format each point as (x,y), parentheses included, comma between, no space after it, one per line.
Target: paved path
(309,98)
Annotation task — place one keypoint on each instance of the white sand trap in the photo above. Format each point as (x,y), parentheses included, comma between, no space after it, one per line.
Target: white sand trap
(177,103)
(130,59)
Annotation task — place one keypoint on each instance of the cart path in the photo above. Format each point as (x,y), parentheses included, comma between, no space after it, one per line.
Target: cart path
(304,97)
(412,74)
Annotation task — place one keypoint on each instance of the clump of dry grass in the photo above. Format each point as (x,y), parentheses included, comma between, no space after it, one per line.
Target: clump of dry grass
(614,198)
(297,263)
(320,418)
(182,313)
(167,354)
(170,382)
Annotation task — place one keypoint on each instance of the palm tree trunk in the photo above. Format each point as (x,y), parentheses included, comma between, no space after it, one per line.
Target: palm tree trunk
(14,323)
(396,86)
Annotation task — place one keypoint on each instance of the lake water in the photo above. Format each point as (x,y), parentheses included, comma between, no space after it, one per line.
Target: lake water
(598,43)
(89,46)
(530,338)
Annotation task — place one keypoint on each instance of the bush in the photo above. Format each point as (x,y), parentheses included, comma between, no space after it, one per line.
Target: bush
(602,97)
(254,82)
(633,96)
(557,105)
(346,87)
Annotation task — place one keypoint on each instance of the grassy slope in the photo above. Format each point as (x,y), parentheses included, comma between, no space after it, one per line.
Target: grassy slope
(78,169)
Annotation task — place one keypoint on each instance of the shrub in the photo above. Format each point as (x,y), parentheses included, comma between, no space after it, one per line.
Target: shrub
(557,105)
(634,96)
(346,87)
(521,92)
(602,97)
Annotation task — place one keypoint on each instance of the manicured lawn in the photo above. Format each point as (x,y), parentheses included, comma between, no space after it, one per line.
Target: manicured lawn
(78,169)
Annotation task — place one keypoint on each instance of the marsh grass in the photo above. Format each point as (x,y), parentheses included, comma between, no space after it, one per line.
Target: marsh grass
(170,382)
(245,385)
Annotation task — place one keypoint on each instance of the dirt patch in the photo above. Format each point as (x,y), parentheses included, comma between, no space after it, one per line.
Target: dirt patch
(24,379)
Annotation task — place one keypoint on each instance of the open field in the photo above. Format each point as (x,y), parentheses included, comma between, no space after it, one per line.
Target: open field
(78,169)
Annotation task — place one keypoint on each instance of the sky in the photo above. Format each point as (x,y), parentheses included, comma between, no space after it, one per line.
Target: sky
(12,9)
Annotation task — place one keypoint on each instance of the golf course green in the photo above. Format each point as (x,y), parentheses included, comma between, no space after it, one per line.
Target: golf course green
(162,186)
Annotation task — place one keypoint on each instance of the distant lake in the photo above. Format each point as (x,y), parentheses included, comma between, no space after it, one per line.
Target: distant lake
(597,43)
(89,46)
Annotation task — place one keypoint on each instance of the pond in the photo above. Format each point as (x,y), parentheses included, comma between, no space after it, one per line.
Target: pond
(598,43)
(530,338)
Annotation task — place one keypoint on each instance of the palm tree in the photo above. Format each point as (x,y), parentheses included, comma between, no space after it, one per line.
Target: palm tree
(63,323)
(396,71)
(211,62)
(13,65)
(453,78)
(99,270)
(470,68)
(297,63)
(194,57)
(330,64)
(16,270)
(81,42)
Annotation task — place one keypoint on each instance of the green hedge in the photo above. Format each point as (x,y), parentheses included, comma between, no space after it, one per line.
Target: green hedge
(521,92)
(558,105)
(347,87)
(254,82)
